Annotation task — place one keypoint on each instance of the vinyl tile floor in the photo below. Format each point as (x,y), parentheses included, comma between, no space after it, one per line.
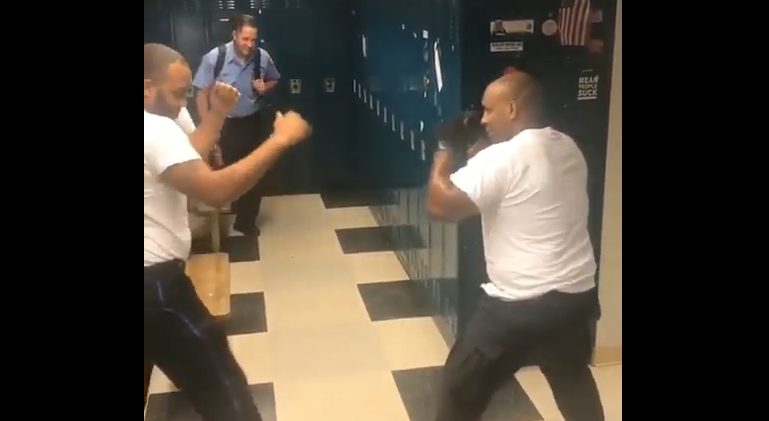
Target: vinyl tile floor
(325,329)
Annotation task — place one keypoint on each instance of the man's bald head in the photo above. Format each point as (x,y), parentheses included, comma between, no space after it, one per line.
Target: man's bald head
(157,59)
(511,104)
(521,88)
(167,78)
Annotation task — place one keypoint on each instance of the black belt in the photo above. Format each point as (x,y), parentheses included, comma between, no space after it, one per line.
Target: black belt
(164,270)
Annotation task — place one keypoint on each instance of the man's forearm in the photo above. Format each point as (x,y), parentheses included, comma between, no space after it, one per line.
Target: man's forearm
(201,101)
(204,137)
(236,179)
(439,184)
(441,170)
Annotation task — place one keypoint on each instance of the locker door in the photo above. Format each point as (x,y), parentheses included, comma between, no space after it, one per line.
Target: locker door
(220,26)
(157,22)
(333,130)
(289,27)
(190,30)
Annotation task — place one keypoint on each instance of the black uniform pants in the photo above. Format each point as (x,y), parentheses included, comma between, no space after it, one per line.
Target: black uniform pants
(238,138)
(501,337)
(190,346)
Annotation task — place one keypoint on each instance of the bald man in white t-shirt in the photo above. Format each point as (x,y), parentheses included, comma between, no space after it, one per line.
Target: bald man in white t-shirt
(539,302)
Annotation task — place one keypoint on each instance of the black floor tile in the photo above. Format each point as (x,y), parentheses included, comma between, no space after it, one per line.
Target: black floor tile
(418,389)
(353,198)
(384,238)
(175,407)
(247,314)
(240,249)
(395,300)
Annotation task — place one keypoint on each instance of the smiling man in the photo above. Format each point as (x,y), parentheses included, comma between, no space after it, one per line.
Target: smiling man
(252,71)
(530,188)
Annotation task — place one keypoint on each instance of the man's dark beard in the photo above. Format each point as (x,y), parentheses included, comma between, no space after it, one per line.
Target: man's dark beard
(161,107)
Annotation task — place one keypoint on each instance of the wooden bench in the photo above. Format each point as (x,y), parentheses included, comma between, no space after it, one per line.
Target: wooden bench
(210,272)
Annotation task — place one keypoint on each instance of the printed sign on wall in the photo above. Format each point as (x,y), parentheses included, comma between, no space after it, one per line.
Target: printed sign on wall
(587,86)
(506,46)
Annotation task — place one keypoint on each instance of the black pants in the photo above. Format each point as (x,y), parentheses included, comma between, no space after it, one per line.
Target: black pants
(238,138)
(185,341)
(501,337)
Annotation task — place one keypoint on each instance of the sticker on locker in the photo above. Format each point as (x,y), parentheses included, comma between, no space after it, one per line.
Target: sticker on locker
(296,86)
(330,85)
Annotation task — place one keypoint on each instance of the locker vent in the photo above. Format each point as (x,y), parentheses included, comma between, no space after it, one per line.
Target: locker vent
(454,15)
(156,5)
(258,4)
(191,5)
(225,4)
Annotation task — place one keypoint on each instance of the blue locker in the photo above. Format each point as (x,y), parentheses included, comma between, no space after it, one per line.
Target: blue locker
(189,20)
(405,37)
(333,147)
(290,29)
(157,22)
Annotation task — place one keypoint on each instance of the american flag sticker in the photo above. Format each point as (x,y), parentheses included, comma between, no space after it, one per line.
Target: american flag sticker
(574,22)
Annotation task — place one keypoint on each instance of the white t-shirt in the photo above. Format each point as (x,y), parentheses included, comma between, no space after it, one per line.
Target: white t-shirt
(166,226)
(532,194)
(184,120)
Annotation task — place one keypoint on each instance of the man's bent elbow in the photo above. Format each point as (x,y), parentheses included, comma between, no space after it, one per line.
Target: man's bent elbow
(197,181)
(437,212)
(213,198)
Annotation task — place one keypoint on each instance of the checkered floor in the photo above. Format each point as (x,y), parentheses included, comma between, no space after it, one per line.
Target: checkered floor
(328,328)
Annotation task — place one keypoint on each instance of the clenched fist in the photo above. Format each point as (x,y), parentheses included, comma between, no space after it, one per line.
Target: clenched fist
(223,97)
(291,128)
(260,86)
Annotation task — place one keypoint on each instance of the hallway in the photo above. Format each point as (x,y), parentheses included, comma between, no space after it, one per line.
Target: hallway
(328,329)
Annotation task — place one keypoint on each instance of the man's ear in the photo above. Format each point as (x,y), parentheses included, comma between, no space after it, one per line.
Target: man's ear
(234,35)
(148,88)
(513,110)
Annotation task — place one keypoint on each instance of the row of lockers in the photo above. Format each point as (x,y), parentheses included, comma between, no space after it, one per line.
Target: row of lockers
(411,74)
(407,78)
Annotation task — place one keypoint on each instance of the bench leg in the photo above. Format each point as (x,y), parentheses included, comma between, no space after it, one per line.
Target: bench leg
(215,232)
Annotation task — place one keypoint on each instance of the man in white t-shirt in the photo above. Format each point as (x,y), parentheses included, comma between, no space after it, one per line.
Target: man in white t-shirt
(530,188)
(180,336)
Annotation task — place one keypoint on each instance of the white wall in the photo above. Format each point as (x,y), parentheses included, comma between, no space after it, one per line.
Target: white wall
(609,339)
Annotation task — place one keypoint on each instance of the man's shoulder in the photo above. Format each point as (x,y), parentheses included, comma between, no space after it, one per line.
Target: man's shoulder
(154,121)
(495,152)
(529,143)
(264,54)
(157,127)
(213,53)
